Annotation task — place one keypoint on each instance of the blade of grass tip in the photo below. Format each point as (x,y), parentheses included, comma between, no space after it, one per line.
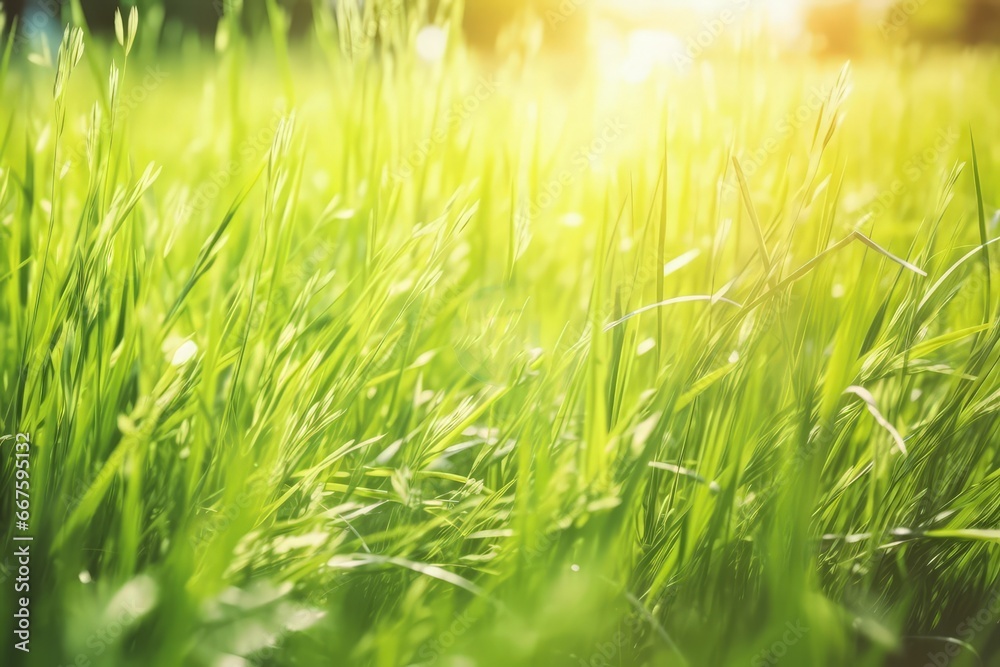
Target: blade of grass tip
(949,640)
(879,249)
(619,337)
(752,211)
(205,256)
(647,226)
(837,247)
(93,62)
(982,226)
(819,123)
(948,274)
(869,400)
(350,561)
(670,302)
(981,534)
(609,257)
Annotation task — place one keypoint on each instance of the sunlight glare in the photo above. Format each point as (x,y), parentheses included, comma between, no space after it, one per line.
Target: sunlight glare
(431,43)
(648,49)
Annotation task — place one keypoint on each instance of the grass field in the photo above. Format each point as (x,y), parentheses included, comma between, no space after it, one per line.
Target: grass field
(331,354)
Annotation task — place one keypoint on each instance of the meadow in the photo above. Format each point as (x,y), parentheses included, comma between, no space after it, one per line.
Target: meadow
(358,351)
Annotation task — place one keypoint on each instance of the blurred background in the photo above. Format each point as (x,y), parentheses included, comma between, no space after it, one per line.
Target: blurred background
(841,26)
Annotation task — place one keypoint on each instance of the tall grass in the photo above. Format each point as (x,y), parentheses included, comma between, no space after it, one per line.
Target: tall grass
(332,355)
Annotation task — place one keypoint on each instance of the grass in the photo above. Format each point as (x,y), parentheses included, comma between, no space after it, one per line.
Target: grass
(334,356)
